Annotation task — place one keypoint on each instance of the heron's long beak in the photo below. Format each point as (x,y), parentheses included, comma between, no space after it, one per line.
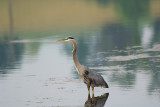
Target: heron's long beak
(61,40)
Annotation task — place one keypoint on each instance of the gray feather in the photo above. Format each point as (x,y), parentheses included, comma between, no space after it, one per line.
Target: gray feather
(95,78)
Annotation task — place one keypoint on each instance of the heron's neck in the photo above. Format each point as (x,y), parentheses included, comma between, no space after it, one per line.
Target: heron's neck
(75,59)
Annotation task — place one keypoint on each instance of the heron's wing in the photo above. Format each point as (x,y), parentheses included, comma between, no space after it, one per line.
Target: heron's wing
(97,79)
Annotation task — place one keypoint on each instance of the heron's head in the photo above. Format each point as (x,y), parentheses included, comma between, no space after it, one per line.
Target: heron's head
(65,40)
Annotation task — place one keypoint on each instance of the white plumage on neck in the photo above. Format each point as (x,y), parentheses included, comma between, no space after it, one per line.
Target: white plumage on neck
(75,59)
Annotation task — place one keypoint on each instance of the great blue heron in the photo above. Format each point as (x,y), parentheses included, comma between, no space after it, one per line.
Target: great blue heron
(90,78)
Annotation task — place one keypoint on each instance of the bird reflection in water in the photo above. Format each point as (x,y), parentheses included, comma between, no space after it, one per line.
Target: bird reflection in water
(98,101)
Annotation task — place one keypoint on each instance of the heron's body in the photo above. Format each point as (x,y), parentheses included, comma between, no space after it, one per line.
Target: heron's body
(90,78)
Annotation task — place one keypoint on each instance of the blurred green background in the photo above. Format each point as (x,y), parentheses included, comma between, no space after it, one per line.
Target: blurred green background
(26,19)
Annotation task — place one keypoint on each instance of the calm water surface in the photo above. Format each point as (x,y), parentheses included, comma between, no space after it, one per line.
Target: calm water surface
(119,42)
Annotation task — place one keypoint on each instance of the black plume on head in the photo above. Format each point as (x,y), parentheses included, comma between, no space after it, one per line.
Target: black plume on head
(70,37)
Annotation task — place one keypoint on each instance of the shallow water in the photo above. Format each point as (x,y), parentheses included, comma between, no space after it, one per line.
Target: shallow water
(48,78)
(36,71)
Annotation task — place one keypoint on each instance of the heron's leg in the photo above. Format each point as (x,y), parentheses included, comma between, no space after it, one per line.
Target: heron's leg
(88,86)
(93,97)
(89,97)
(92,89)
